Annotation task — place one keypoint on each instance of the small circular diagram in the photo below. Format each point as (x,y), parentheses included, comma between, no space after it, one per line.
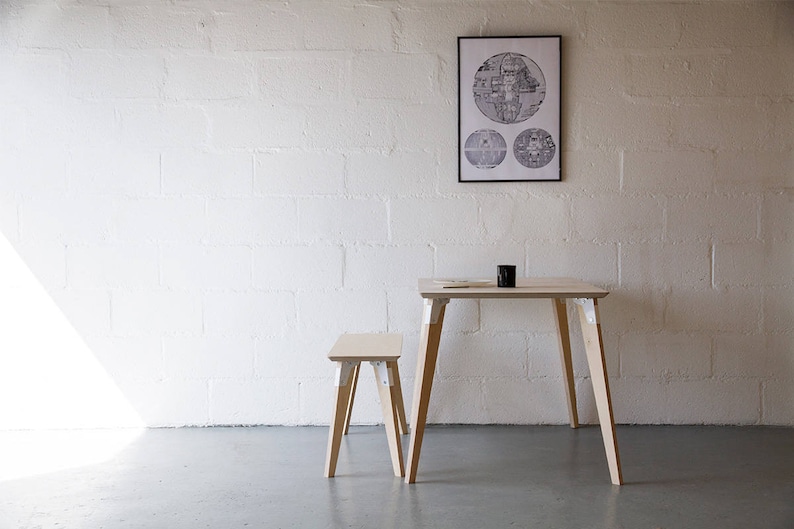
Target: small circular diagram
(534,148)
(509,88)
(485,149)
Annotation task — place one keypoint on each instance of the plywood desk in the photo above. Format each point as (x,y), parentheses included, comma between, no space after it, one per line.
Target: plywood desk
(558,290)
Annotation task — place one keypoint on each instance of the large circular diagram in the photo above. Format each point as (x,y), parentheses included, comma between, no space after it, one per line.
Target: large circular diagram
(485,149)
(534,148)
(509,88)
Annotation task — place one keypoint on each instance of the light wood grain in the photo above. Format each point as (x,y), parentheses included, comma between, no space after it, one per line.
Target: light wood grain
(594,348)
(425,367)
(564,343)
(365,347)
(526,287)
(337,425)
(388,405)
(353,385)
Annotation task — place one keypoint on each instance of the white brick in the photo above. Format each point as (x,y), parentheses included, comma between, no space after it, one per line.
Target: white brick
(778,308)
(133,359)
(294,355)
(421,125)
(662,265)
(102,74)
(426,28)
(753,171)
(249,313)
(483,356)
(535,218)
(544,356)
(358,27)
(409,77)
(170,402)
(301,80)
(88,311)
(257,28)
(203,173)
(33,76)
(394,174)
(361,220)
(342,311)
(637,308)
(753,356)
(435,219)
(686,402)
(317,394)
(713,124)
(673,172)
(208,77)
(637,125)
(594,263)
(249,402)
(299,173)
(155,312)
(587,71)
(112,266)
(777,216)
(732,25)
(29,175)
(201,267)
(208,357)
(238,126)
(298,267)
(539,401)
(9,216)
(456,402)
(161,219)
(387,266)
(478,261)
(778,402)
(365,125)
(665,355)
(753,264)
(712,217)
(163,126)
(732,309)
(252,220)
(64,27)
(69,220)
(158,27)
(517,315)
(618,219)
(114,170)
(634,25)
(46,260)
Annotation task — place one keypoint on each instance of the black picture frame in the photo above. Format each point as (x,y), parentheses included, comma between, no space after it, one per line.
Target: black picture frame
(509,109)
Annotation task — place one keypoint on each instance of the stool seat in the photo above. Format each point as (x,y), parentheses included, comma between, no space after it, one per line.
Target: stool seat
(382,351)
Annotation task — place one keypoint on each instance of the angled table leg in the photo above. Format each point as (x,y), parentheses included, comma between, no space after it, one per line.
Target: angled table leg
(343,387)
(397,396)
(384,374)
(349,412)
(594,347)
(432,321)
(564,342)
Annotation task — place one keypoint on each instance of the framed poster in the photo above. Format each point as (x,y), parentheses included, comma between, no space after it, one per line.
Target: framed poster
(508,109)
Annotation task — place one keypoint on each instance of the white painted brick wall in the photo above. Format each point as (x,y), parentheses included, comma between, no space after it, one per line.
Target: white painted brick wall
(212,192)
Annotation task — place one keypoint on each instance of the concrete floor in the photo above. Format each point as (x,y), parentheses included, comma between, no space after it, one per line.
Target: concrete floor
(469,477)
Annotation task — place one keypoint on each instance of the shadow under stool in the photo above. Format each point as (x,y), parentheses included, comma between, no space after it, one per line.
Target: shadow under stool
(382,351)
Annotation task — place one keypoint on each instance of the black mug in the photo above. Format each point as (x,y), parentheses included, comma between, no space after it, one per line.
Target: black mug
(506,275)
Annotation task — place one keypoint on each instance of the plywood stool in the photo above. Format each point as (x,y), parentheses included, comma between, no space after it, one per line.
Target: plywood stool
(382,351)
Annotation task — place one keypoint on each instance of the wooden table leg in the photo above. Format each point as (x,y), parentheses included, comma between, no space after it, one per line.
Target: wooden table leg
(397,395)
(432,321)
(594,347)
(564,342)
(349,412)
(343,387)
(385,381)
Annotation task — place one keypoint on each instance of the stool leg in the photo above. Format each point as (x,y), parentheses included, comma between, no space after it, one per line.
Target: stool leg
(384,376)
(352,396)
(343,387)
(397,397)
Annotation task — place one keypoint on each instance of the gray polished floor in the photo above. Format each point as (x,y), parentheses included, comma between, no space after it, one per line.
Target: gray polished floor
(469,477)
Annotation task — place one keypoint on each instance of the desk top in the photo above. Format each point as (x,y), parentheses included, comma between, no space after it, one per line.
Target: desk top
(526,287)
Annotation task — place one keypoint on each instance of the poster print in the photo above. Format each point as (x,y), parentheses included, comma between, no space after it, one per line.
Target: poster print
(508,109)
